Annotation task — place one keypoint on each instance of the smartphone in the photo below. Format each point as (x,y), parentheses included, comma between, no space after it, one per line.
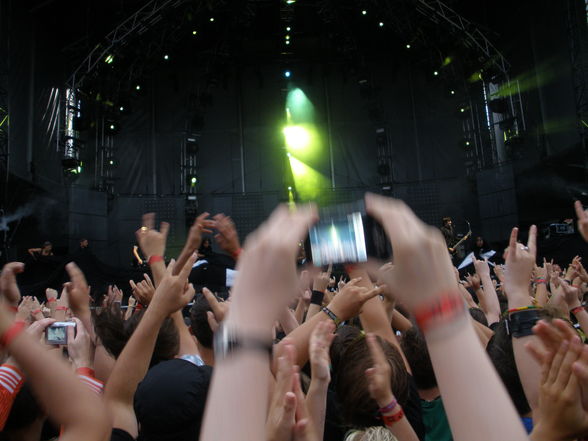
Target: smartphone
(346,234)
(56,334)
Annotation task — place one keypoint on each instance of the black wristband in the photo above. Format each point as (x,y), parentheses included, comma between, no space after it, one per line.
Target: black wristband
(331,315)
(520,323)
(317,298)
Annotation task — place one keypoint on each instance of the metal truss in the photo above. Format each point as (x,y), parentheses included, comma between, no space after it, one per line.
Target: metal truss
(4,101)
(139,23)
(437,12)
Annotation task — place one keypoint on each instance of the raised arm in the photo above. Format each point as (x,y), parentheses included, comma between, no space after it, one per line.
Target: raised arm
(463,370)
(201,225)
(487,294)
(173,293)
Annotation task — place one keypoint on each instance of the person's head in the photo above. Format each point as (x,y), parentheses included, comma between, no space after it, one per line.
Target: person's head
(199,321)
(84,243)
(206,243)
(47,247)
(480,242)
(415,350)
(377,433)
(447,222)
(114,332)
(351,385)
(169,402)
(501,354)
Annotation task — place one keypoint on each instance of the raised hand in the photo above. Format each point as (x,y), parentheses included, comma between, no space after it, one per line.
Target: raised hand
(560,414)
(25,308)
(571,294)
(348,302)
(8,286)
(144,290)
(582,220)
(151,241)
(174,292)
(482,268)
(520,262)
(379,374)
(201,225)
(473,282)
(320,341)
(78,291)
(219,309)
(267,280)
(79,346)
(227,237)
(322,279)
(499,272)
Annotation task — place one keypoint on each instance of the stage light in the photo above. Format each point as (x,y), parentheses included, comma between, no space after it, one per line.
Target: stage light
(138,87)
(288,28)
(289,188)
(166,57)
(211,19)
(121,108)
(112,127)
(289,155)
(381,24)
(408,46)
(462,109)
(194,32)
(364,12)
(287,42)
(289,2)
(109,59)
(287,37)
(307,181)
(287,74)
(297,137)
(435,73)
(192,180)
(452,92)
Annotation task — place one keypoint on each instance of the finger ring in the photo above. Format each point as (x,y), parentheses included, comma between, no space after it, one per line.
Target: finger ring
(525,248)
(144,228)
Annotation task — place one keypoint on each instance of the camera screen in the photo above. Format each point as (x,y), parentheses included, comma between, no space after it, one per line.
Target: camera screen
(57,333)
(339,240)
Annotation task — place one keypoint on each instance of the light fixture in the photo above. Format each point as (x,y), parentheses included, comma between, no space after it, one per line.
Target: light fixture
(287,41)
(435,73)
(111,162)
(289,155)
(408,46)
(452,92)
(363,12)
(381,24)
(121,108)
(287,37)
(462,109)
(138,87)
(112,126)
(109,59)
(211,19)
(289,2)
(166,57)
(288,28)
(194,32)
(289,188)
(287,74)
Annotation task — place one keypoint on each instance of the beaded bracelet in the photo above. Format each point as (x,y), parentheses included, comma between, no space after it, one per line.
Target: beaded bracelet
(390,407)
(36,311)
(540,281)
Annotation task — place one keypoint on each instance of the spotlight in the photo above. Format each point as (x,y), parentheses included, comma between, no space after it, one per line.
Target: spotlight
(462,109)
(287,37)
(452,92)
(289,2)
(289,155)
(121,108)
(111,162)
(194,32)
(287,42)
(71,167)
(435,73)
(288,28)
(289,188)
(466,143)
(364,12)
(166,57)
(211,19)
(287,74)
(109,59)
(112,127)
(138,87)
(408,46)
(192,180)
(381,24)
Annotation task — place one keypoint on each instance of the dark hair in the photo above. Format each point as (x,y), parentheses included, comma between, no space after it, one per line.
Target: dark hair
(114,333)
(479,316)
(500,351)
(358,408)
(25,410)
(416,352)
(199,321)
(47,244)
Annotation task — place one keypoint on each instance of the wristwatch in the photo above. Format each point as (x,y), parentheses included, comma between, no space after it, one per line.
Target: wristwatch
(227,341)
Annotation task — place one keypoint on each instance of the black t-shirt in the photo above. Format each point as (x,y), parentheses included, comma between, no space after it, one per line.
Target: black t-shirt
(120,435)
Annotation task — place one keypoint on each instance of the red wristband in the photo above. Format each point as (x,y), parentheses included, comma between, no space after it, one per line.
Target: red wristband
(155,259)
(88,372)
(445,308)
(15,329)
(61,308)
(389,420)
(12,308)
(51,299)
(138,307)
(576,310)
(36,311)
(237,253)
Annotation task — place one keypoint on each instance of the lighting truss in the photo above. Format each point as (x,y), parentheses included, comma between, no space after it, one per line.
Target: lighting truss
(139,23)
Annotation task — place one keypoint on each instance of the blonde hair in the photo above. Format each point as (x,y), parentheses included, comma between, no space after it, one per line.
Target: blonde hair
(375,433)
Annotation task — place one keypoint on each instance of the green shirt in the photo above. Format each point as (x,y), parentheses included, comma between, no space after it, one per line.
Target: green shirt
(435,420)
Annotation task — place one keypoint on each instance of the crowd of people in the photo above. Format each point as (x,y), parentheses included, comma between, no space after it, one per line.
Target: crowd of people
(401,350)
